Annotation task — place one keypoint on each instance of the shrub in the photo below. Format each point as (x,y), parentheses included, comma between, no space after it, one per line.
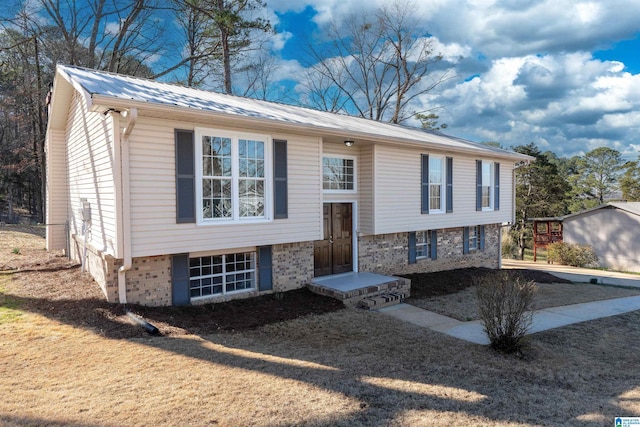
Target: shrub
(509,246)
(505,301)
(569,254)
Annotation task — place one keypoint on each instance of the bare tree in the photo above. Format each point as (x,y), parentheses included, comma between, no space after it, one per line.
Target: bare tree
(375,66)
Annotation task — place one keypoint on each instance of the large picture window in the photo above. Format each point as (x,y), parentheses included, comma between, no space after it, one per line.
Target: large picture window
(338,174)
(221,274)
(233,176)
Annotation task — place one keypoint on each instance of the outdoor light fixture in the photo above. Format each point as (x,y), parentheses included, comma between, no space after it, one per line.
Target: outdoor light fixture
(349,143)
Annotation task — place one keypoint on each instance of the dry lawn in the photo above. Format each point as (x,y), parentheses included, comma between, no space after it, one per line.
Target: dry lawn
(463,305)
(345,368)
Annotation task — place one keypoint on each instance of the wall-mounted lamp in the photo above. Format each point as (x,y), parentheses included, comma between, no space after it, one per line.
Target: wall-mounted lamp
(349,143)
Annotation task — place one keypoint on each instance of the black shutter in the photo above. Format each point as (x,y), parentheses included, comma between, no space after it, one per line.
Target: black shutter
(434,244)
(280,190)
(180,290)
(412,247)
(185,177)
(478,185)
(481,238)
(449,184)
(465,240)
(496,187)
(425,184)
(265,274)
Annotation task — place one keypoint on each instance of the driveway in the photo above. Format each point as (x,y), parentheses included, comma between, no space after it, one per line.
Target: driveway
(579,275)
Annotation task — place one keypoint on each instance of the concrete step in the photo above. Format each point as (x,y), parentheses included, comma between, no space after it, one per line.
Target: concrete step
(381,301)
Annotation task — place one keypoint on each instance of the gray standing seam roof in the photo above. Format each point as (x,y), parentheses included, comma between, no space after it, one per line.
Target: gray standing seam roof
(126,88)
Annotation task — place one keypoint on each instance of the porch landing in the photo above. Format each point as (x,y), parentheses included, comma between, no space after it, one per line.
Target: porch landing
(366,290)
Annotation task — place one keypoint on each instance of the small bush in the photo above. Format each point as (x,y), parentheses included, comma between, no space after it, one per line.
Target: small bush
(16,251)
(509,246)
(505,301)
(569,254)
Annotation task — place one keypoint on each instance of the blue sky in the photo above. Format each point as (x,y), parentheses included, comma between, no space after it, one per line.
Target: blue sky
(564,74)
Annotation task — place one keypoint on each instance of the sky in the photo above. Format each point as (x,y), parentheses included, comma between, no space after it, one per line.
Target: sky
(563,74)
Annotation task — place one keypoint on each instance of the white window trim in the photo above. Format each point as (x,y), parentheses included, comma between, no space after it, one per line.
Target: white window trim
(268,176)
(355,173)
(224,273)
(443,185)
(426,244)
(491,183)
(475,229)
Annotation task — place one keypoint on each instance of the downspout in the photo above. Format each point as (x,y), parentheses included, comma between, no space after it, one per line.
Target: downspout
(125,206)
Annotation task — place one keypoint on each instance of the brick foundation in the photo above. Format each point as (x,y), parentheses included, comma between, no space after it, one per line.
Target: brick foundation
(292,266)
(149,279)
(389,253)
(102,267)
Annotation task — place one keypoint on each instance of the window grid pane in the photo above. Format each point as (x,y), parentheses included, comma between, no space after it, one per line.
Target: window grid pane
(423,244)
(233,180)
(473,238)
(338,174)
(220,274)
(435,183)
(487,182)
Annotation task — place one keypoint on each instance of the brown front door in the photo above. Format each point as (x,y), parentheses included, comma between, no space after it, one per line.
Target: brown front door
(334,253)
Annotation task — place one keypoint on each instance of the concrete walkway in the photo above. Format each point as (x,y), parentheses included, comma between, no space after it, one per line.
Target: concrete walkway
(544,319)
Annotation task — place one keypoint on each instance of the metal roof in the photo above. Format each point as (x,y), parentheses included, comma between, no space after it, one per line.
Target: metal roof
(631,207)
(117,88)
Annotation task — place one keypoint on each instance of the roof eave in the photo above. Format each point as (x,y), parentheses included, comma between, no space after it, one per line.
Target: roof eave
(101,103)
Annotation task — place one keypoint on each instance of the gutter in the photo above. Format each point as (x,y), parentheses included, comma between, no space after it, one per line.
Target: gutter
(125,206)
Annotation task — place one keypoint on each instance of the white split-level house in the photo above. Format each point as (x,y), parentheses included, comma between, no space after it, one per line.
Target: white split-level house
(169,195)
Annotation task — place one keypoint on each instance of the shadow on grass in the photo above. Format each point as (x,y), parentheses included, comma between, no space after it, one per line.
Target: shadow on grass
(389,368)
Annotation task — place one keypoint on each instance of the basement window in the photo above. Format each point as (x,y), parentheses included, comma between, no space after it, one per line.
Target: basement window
(222,274)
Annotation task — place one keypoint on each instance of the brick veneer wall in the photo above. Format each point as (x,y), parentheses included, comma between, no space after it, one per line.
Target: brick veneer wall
(389,253)
(102,267)
(292,266)
(149,281)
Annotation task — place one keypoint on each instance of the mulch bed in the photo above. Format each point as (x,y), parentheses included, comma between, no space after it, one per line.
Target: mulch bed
(427,285)
(58,290)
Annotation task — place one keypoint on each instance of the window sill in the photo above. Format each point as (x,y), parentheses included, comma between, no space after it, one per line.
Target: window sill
(210,222)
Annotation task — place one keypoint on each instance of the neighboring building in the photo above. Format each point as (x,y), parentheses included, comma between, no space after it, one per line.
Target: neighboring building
(171,195)
(612,229)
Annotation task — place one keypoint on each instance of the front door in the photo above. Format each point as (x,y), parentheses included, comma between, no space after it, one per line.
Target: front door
(333,254)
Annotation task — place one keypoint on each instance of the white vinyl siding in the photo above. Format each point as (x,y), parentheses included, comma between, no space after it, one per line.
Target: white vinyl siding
(365,187)
(153,201)
(90,169)
(57,191)
(397,193)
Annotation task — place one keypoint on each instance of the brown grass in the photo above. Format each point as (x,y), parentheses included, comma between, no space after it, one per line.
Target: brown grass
(344,368)
(463,305)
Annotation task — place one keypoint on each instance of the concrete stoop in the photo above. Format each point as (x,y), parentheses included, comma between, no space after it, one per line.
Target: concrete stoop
(364,290)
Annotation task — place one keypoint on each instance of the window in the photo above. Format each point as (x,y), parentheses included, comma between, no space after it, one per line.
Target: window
(338,174)
(423,244)
(436,180)
(473,238)
(487,185)
(234,181)
(221,274)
